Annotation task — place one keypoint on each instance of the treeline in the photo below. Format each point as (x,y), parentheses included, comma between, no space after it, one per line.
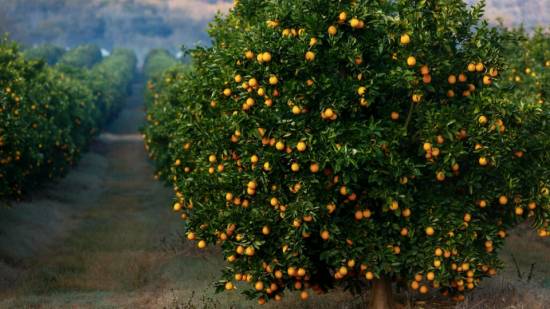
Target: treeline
(49,113)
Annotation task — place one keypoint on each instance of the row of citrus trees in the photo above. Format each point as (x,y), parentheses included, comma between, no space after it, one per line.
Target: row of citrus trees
(356,144)
(48,114)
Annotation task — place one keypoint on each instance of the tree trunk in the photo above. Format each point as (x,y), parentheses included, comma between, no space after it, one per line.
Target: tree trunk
(381,294)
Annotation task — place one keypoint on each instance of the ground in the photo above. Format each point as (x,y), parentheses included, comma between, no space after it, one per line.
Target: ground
(105,237)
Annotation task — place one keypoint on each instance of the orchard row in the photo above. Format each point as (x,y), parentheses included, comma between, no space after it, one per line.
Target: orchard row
(50,113)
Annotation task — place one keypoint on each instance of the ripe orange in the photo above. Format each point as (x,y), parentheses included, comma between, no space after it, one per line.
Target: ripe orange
(405,39)
(250,251)
(394,116)
(483,161)
(201,244)
(480,67)
(423,289)
(325,235)
(482,120)
(416,98)
(424,70)
(273,80)
(426,79)
(266,57)
(328,112)
(313,42)
(452,79)
(310,56)
(314,167)
(369,275)
(411,61)
(301,146)
(430,231)
(355,23)
(342,16)
(503,200)
(259,286)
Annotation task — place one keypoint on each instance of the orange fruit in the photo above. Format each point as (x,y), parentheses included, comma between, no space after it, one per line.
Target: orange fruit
(429,231)
(310,56)
(451,79)
(201,244)
(405,39)
(411,61)
(503,200)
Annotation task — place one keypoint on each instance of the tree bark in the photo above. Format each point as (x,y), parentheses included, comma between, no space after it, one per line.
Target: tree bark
(381,294)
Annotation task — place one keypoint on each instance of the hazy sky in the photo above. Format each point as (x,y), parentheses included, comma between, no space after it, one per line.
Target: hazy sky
(198,9)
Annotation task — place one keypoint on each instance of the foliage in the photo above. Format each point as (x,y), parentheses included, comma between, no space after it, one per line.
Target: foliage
(46,52)
(157,62)
(47,117)
(325,144)
(83,56)
(110,81)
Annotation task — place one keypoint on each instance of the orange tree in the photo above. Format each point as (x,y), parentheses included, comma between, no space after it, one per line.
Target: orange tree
(353,144)
(48,116)
(529,57)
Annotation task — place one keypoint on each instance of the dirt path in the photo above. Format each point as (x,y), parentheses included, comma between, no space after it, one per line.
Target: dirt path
(104,237)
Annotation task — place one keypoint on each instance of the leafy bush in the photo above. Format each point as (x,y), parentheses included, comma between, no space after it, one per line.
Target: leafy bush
(354,144)
(110,81)
(47,52)
(157,62)
(84,56)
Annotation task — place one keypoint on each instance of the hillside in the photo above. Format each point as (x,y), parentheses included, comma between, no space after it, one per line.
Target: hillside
(145,24)
(136,24)
(514,12)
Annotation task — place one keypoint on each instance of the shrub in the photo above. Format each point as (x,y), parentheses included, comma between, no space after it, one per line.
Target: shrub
(47,53)
(84,56)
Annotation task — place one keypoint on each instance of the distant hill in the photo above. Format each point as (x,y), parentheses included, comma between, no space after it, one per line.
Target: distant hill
(146,24)
(137,24)
(513,12)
